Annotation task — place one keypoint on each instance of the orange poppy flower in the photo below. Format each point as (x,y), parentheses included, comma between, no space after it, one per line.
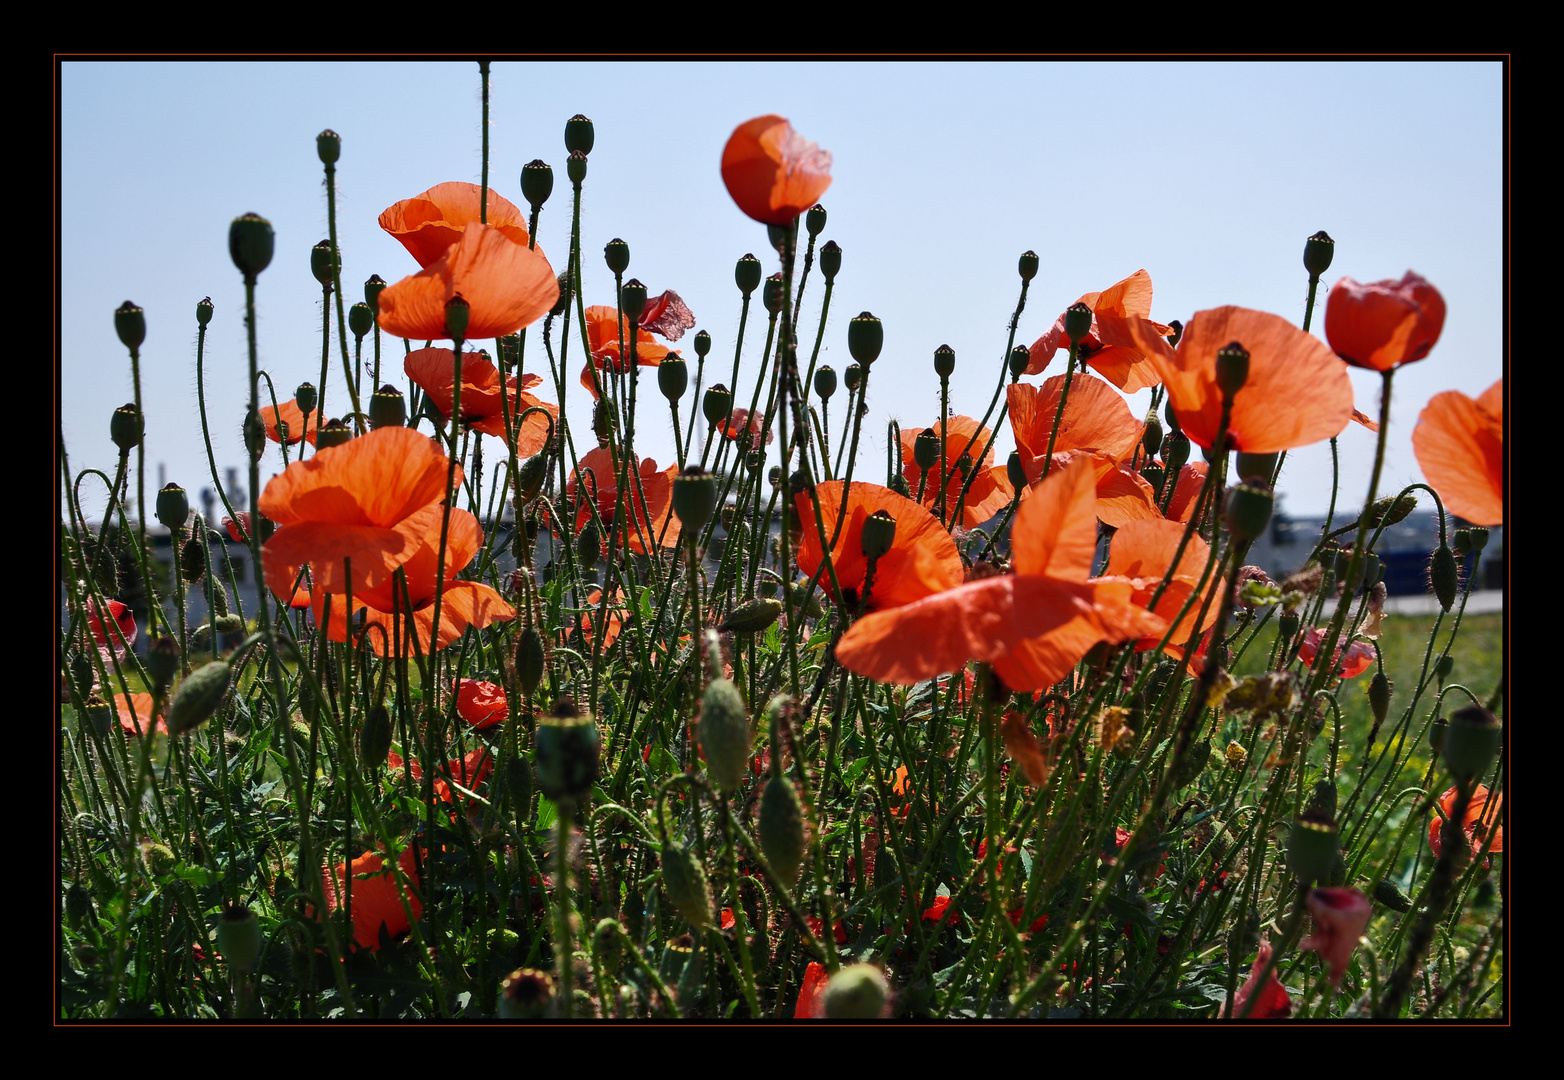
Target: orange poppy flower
(1460,445)
(922,559)
(135,714)
(463,603)
(482,401)
(990,492)
(371,500)
(1297,392)
(376,902)
(773,173)
(481,704)
(1032,624)
(615,619)
(603,331)
(1141,553)
(1482,814)
(288,412)
(506,287)
(1351,661)
(428,224)
(657,524)
(1191,478)
(1110,347)
(1384,324)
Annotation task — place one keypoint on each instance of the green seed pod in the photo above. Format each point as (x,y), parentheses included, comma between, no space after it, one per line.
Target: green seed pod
(162,662)
(726,739)
(944,361)
(518,784)
(1479,536)
(900,486)
(1471,742)
(747,274)
(856,992)
(1379,696)
(830,261)
(616,253)
(305,397)
(361,320)
(1443,666)
(702,343)
(335,433)
(530,659)
(328,147)
(537,182)
(1255,466)
(198,696)
(204,311)
(254,435)
(1461,543)
(673,376)
(130,323)
(1436,734)
(125,427)
(1175,452)
(752,616)
(685,881)
(1317,253)
(1154,475)
(579,135)
(589,546)
(865,338)
(1289,621)
(526,994)
(925,450)
(773,294)
(172,507)
(458,313)
(372,290)
(576,167)
(1312,847)
(1391,895)
(1026,266)
(879,533)
(606,941)
(250,244)
(1248,511)
(1443,575)
(694,498)
(374,738)
(782,830)
(1077,322)
(1020,360)
(322,264)
(808,605)
(1232,368)
(1193,764)
(1015,472)
(814,220)
(99,715)
(530,477)
(566,753)
(1151,440)
(239,937)
(716,404)
(387,408)
(78,904)
(852,378)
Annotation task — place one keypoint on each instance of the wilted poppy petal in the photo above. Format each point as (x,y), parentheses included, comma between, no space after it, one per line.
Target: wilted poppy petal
(1460,446)
(1340,917)
(506,287)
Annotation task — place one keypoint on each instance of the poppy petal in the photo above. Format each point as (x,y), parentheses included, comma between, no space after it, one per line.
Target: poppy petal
(1460,446)
(506,287)
(428,224)
(1055,530)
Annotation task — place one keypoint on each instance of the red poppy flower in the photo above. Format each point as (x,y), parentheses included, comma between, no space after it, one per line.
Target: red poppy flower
(482,401)
(112,642)
(371,500)
(1032,624)
(1460,445)
(772,172)
(1141,553)
(1340,917)
(506,287)
(1482,815)
(1357,658)
(1037,923)
(1110,347)
(811,994)
(238,527)
(744,420)
(922,560)
(1297,392)
(481,704)
(939,911)
(463,604)
(990,492)
(655,523)
(1273,1003)
(817,927)
(603,336)
(1384,324)
(376,901)
(428,224)
(288,412)
(726,921)
(469,771)
(135,714)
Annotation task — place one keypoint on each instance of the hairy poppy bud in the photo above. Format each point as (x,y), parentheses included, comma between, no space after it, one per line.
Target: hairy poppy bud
(772,295)
(1391,895)
(694,498)
(1379,696)
(865,338)
(374,738)
(239,937)
(328,146)
(1027,265)
(361,320)
(632,300)
(1312,847)
(1471,742)
(537,182)
(944,361)
(752,616)
(726,739)
(825,382)
(305,398)
(198,696)
(589,546)
(255,435)
(204,311)
(387,408)
(173,507)
(830,261)
(1248,510)
(702,343)
(1151,440)
(125,427)
(781,830)
(1015,472)
(602,426)
(335,433)
(250,244)
(1255,466)
(321,263)
(530,660)
(856,992)
(673,376)
(1444,575)
(925,449)
(616,253)
(162,662)
(526,994)
(576,166)
(716,404)
(1020,357)
(852,378)
(130,323)
(530,477)
(685,880)
(814,220)
(566,753)
(579,135)
(1077,322)
(1317,253)
(879,533)
(457,314)
(192,558)
(1232,368)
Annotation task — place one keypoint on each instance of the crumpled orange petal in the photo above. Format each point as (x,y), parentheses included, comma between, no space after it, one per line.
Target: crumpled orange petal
(506,287)
(1460,446)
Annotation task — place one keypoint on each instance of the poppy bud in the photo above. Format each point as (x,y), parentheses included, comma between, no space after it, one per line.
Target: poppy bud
(1232,368)
(1077,322)
(361,320)
(944,361)
(576,167)
(250,244)
(606,943)
(1193,765)
(752,616)
(387,408)
(530,477)
(856,992)
(1151,440)
(673,376)
(1173,338)
(774,476)
(726,739)
(321,263)
(1255,466)
(900,486)
(702,343)
(1471,742)
(1479,535)
(1436,734)
(328,146)
(1387,892)
(530,660)
(1019,359)
(1372,570)
(204,311)
(879,533)
(772,295)
(1379,696)
(173,507)
(925,449)
(537,182)
(239,937)
(192,559)
(1027,265)
(825,382)
(1443,575)
(125,427)
(225,623)
(685,880)
(1248,510)
(335,433)
(853,377)
(1171,416)
(1175,452)
(578,135)
(374,738)
(589,547)
(632,300)
(1317,252)
(566,752)
(457,314)
(782,830)
(814,220)
(1322,801)
(601,424)
(526,994)
(1288,622)
(694,498)
(865,338)
(255,435)
(162,662)
(716,404)
(617,254)
(830,260)
(1312,847)
(1015,472)
(130,323)
(198,696)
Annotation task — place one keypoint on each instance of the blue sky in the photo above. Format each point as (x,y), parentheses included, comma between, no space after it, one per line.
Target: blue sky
(1208,175)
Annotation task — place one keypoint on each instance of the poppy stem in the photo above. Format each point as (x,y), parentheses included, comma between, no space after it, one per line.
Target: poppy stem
(342,322)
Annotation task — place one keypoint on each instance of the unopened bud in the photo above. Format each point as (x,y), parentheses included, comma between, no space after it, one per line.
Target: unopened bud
(856,992)
(374,738)
(865,338)
(1317,253)
(578,135)
(1444,575)
(726,739)
(130,323)
(752,616)
(1015,472)
(198,696)
(530,659)
(537,182)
